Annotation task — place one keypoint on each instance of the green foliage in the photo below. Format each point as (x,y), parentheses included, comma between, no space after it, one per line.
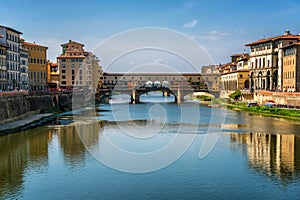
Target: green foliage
(282,112)
(204,98)
(236,95)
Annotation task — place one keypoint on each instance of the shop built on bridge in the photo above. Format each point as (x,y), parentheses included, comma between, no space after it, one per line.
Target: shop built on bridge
(176,84)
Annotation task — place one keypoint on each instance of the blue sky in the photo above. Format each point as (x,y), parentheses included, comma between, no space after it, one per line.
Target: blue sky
(222,27)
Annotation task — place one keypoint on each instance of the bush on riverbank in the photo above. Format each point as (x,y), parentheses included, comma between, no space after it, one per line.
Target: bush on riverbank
(265,110)
(204,98)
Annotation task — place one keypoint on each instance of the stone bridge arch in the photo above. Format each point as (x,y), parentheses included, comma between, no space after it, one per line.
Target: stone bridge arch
(136,94)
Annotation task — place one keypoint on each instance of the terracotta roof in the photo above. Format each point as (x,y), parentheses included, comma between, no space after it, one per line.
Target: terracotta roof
(226,65)
(63,56)
(54,64)
(33,44)
(240,55)
(71,41)
(282,37)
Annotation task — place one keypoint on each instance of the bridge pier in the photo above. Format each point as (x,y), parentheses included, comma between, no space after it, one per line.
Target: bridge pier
(135,98)
(166,94)
(179,97)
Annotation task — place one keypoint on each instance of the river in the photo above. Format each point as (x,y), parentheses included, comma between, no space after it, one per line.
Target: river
(153,150)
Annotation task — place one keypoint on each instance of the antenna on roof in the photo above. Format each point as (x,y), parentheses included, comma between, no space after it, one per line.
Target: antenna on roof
(287,32)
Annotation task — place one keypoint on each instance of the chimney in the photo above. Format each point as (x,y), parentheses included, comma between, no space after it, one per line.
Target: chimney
(287,32)
(70,41)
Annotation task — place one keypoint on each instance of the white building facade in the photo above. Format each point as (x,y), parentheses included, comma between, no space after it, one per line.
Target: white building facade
(266,61)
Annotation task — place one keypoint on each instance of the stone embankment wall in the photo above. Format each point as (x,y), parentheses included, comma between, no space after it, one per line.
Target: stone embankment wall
(20,106)
(287,98)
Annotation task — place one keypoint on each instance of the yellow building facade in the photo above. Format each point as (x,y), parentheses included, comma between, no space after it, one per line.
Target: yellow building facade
(37,66)
(52,75)
(291,68)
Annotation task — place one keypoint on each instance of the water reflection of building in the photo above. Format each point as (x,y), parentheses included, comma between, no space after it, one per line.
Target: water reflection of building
(28,150)
(17,153)
(274,155)
(75,139)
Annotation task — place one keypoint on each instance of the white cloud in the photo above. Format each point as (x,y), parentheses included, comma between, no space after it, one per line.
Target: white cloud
(160,61)
(191,24)
(214,35)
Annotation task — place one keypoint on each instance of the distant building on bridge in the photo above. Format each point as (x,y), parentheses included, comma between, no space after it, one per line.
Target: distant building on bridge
(52,75)
(133,80)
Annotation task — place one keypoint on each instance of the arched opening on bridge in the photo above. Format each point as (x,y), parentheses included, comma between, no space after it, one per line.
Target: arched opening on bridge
(156,94)
(158,97)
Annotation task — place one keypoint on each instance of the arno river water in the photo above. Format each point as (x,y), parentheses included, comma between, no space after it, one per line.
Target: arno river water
(255,157)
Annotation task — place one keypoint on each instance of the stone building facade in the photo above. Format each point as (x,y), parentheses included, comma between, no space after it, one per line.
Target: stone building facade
(11,38)
(266,66)
(78,68)
(37,66)
(291,68)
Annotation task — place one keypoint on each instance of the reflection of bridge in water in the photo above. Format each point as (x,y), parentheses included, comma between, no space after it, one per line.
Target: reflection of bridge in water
(136,84)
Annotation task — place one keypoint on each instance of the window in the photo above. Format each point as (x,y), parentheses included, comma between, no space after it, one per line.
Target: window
(241,75)
(63,66)
(63,77)
(63,82)
(73,65)
(63,71)
(73,71)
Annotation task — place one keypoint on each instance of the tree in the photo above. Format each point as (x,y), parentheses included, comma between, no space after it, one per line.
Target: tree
(236,95)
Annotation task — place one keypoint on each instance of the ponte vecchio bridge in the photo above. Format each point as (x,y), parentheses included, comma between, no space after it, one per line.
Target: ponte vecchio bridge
(177,84)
